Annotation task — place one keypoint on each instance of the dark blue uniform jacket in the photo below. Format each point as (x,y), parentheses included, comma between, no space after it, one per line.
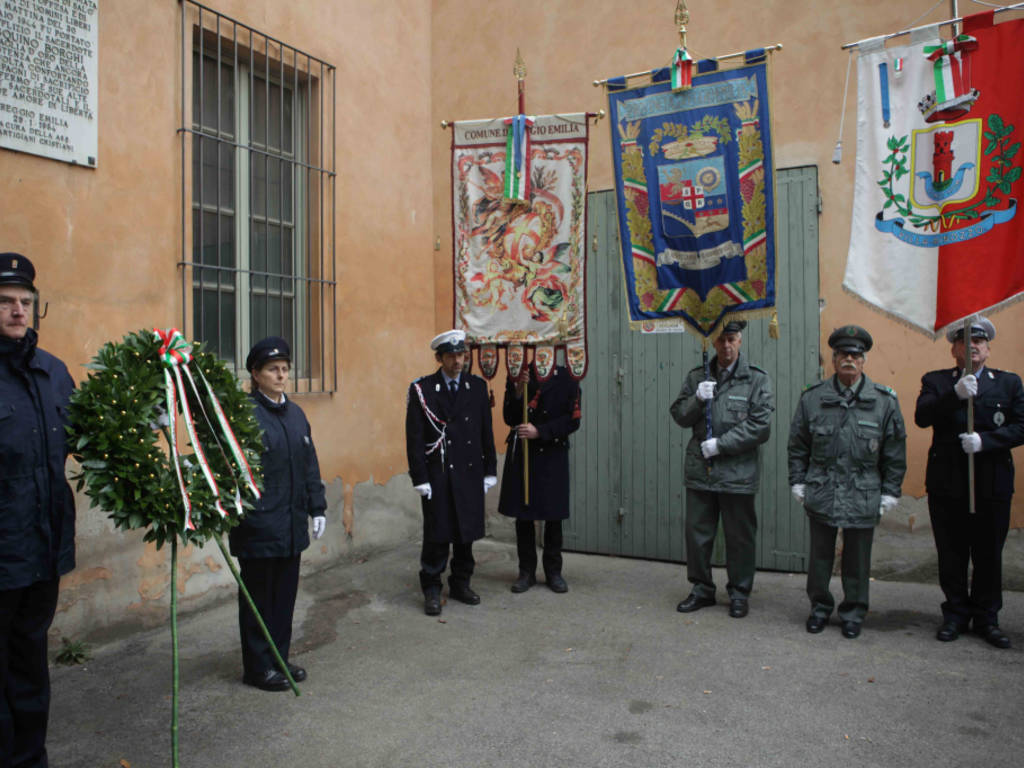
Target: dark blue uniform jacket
(456,467)
(292,489)
(998,419)
(37,507)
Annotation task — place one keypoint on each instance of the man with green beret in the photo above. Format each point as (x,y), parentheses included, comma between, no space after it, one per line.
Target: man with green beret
(847,458)
(721,469)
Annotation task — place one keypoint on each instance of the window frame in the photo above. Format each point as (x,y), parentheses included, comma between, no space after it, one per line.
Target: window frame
(255,60)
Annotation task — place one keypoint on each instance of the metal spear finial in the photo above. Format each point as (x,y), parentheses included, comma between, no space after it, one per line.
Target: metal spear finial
(519,68)
(682,18)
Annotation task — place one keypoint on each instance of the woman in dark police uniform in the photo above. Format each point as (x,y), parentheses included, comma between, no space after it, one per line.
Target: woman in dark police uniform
(269,541)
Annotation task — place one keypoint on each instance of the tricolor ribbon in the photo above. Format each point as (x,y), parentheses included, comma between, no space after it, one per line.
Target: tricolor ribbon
(175,355)
(682,70)
(947,66)
(517,158)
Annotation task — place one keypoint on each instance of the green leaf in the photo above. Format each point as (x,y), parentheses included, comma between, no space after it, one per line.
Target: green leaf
(888,203)
(900,198)
(1004,187)
(995,122)
(1011,150)
(1013,175)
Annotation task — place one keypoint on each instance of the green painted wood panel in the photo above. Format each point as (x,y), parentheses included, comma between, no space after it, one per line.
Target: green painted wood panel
(627,487)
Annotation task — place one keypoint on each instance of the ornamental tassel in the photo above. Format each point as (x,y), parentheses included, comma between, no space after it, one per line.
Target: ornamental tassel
(682,70)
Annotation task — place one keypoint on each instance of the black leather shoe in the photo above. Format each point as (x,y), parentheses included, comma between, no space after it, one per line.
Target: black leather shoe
(557,584)
(816,624)
(948,632)
(463,594)
(694,603)
(298,673)
(271,680)
(524,582)
(432,604)
(851,629)
(992,635)
(738,608)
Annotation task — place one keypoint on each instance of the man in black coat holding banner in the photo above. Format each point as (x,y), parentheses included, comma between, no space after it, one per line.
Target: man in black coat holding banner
(452,463)
(553,414)
(962,538)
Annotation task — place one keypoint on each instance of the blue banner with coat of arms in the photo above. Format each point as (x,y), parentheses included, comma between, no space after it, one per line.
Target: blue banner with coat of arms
(694,183)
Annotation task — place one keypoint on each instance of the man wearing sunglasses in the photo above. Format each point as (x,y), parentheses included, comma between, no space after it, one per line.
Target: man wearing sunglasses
(847,458)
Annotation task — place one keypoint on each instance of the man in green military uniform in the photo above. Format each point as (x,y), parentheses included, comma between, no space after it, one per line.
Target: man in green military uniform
(721,469)
(847,458)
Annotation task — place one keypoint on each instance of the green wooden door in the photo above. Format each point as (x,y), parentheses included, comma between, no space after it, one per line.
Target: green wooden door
(628,496)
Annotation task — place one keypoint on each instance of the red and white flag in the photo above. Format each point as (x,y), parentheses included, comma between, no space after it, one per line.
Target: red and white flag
(936,234)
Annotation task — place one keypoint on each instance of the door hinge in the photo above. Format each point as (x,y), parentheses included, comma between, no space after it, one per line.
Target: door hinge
(620,514)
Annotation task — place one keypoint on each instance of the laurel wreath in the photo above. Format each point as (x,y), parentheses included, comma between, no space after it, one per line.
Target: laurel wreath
(125,461)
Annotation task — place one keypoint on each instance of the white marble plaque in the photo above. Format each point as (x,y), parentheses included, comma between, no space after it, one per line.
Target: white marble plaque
(48,78)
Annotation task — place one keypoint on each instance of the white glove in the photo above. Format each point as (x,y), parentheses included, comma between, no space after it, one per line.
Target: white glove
(423,490)
(798,492)
(489,482)
(319,525)
(888,502)
(970,441)
(966,387)
(706,391)
(709,447)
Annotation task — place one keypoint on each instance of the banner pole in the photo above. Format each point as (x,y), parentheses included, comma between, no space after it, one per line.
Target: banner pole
(968,369)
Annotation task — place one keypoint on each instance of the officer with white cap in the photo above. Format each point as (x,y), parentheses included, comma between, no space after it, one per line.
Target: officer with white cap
(963,539)
(452,463)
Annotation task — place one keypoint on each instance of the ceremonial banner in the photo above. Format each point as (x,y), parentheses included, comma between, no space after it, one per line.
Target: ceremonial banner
(694,184)
(519,263)
(936,236)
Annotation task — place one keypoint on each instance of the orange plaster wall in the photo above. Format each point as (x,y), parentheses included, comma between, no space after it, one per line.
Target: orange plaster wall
(106,242)
(568,44)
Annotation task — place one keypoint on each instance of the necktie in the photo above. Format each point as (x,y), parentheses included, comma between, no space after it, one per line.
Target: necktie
(453,388)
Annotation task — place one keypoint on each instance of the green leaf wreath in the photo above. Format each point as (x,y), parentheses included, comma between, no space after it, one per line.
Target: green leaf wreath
(118,415)
(116,438)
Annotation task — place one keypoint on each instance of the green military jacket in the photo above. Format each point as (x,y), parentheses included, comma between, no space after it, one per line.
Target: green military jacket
(847,454)
(741,414)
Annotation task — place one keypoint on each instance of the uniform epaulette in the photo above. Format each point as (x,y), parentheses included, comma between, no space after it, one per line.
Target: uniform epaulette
(884,388)
(757,368)
(814,384)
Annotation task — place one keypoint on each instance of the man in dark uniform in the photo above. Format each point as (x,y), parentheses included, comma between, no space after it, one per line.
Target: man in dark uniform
(722,471)
(962,538)
(37,514)
(452,462)
(553,414)
(847,458)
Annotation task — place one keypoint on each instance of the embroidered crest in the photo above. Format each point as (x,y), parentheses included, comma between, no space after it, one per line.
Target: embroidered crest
(999,418)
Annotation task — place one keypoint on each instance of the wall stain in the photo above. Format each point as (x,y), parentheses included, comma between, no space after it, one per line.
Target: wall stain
(638,707)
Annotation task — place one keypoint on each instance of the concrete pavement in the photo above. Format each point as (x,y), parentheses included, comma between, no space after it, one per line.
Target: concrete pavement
(606,675)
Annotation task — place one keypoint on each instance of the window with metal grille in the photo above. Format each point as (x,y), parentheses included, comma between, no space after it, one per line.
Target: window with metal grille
(257,195)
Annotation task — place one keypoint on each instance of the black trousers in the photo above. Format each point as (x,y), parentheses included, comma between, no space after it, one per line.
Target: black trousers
(962,540)
(434,559)
(739,523)
(273,583)
(856,571)
(25,617)
(526,546)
